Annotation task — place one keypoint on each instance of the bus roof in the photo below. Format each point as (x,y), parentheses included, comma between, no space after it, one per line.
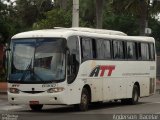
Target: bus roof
(79,31)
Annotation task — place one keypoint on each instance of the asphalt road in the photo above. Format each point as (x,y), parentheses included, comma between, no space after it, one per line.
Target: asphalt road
(106,111)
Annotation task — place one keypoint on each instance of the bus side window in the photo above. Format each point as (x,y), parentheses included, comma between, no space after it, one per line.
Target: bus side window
(152,51)
(145,51)
(103,49)
(87,48)
(118,50)
(131,50)
(72,58)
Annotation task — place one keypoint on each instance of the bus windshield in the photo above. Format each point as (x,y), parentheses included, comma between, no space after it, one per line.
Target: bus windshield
(37,60)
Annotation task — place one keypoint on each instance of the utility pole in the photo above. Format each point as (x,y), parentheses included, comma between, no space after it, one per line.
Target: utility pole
(75,14)
(148,30)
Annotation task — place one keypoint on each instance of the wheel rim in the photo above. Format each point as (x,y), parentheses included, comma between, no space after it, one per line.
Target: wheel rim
(135,96)
(84,100)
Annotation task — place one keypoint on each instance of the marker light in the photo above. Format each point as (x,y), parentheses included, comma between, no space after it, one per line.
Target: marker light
(14,90)
(56,89)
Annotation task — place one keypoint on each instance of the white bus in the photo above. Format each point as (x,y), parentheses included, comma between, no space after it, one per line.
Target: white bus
(78,66)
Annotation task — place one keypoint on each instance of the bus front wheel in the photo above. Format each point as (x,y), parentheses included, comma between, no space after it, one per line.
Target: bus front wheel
(85,99)
(36,107)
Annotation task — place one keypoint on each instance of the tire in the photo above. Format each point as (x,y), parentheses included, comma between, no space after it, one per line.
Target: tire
(36,107)
(134,99)
(124,101)
(97,103)
(135,96)
(85,99)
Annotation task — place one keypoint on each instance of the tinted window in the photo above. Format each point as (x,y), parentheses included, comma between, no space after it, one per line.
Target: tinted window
(144,51)
(152,53)
(73,67)
(118,50)
(87,48)
(103,49)
(131,51)
(73,46)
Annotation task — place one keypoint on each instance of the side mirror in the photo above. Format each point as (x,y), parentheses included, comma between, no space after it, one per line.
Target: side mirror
(72,68)
(7,48)
(6,58)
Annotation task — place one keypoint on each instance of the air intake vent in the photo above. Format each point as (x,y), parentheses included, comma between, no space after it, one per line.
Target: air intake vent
(33,92)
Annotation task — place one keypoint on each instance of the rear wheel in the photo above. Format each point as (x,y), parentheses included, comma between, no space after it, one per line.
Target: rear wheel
(135,95)
(124,101)
(36,107)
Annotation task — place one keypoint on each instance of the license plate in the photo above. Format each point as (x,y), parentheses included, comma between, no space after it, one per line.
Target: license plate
(33,102)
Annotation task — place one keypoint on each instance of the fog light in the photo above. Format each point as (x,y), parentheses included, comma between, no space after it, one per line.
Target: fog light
(56,89)
(14,90)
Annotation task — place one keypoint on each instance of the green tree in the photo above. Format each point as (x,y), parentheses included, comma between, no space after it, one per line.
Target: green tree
(55,18)
(99,13)
(30,11)
(62,4)
(139,8)
(7,22)
(91,13)
(87,13)
(155,26)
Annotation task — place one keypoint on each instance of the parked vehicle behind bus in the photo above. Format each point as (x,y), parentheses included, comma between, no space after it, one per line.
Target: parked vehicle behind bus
(78,66)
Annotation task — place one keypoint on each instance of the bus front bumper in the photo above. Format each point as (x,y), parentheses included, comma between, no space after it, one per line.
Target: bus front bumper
(42,98)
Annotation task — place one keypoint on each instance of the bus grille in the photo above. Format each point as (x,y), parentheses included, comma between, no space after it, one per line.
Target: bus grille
(33,92)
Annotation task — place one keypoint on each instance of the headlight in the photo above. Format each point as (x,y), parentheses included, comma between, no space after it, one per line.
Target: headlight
(56,89)
(14,90)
